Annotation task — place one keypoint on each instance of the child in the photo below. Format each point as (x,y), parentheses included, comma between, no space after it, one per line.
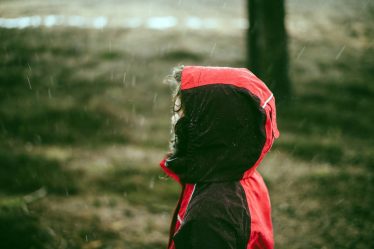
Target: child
(224,123)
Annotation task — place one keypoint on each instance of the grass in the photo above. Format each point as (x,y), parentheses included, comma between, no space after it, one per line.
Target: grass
(22,173)
(143,187)
(14,223)
(330,208)
(87,120)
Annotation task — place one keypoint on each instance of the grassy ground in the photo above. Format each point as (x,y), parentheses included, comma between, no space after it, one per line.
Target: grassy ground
(84,121)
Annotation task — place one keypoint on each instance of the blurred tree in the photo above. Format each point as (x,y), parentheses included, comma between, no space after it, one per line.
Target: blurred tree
(267,52)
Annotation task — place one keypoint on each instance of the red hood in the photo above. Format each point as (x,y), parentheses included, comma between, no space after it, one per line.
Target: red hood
(194,76)
(197,79)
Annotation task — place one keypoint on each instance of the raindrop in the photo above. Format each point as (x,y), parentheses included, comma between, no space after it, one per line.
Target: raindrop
(340,53)
(154,98)
(49,93)
(152,183)
(141,121)
(133,81)
(213,49)
(340,201)
(124,79)
(300,53)
(52,80)
(28,81)
(133,109)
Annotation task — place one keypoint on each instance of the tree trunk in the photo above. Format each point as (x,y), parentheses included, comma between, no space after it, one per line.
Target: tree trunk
(267,45)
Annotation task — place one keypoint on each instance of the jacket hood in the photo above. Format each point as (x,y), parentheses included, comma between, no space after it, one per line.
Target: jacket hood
(229,124)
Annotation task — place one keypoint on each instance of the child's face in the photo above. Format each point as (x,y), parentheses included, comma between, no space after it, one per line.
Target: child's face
(179,114)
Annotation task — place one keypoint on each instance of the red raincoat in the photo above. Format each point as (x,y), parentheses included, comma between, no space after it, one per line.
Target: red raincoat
(228,127)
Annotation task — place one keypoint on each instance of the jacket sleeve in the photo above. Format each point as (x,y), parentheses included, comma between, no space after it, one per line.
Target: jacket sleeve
(204,233)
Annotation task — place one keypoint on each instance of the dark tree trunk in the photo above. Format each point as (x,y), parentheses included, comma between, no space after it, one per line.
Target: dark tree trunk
(267,45)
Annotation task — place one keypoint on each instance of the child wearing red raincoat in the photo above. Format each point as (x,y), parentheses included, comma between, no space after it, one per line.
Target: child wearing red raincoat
(225,123)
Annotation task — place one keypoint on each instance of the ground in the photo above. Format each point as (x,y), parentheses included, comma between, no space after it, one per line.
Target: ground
(84,122)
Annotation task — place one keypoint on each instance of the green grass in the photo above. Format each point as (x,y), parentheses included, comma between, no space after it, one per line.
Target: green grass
(15,223)
(21,173)
(141,186)
(343,214)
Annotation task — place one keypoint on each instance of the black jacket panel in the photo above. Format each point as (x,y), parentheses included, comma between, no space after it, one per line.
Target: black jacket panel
(217,217)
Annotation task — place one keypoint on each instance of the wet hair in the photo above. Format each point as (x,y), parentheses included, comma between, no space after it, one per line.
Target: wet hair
(177,107)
